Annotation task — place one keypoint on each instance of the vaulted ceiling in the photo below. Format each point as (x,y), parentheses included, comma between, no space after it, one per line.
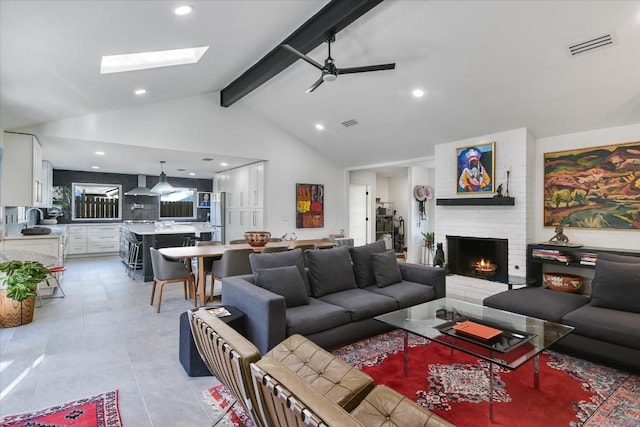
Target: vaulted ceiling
(485,66)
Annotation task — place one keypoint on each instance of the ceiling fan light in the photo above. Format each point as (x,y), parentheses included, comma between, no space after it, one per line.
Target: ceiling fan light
(328,77)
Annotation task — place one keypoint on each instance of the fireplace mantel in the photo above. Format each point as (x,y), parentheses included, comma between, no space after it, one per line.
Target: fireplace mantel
(477,201)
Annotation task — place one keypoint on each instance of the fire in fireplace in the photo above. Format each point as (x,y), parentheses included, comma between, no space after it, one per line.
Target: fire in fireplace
(478,256)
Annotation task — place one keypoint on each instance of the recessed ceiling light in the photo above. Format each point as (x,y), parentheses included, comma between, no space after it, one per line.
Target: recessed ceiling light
(100,153)
(319,126)
(95,167)
(224,164)
(145,60)
(183,10)
(192,174)
(418,93)
(140,91)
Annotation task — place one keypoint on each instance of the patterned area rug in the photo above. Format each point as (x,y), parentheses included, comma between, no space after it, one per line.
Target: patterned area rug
(573,392)
(96,411)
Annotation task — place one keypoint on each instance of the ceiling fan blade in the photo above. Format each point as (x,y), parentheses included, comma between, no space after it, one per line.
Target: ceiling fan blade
(366,68)
(302,56)
(315,85)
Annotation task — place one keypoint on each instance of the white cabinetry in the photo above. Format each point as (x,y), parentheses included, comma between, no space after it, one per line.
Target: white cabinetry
(103,239)
(244,188)
(93,239)
(47,183)
(77,239)
(22,171)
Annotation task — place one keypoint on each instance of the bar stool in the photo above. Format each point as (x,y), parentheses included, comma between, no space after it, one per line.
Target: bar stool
(134,256)
(54,271)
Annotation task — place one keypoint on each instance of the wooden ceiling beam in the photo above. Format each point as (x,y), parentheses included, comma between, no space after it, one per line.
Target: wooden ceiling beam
(332,18)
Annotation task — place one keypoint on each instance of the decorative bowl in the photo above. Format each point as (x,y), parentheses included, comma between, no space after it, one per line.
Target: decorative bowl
(563,282)
(257,238)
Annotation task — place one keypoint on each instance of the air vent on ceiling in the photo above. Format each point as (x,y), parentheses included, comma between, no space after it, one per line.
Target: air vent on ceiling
(207,159)
(592,44)
(349,123)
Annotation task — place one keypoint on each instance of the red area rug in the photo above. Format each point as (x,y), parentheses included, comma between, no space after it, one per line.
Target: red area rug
(572,392)
(96,411)
(219,397)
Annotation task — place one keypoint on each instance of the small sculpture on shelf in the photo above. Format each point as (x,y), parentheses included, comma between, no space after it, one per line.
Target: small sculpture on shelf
(559,237)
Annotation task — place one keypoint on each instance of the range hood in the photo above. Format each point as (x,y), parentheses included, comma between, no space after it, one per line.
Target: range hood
(141,189)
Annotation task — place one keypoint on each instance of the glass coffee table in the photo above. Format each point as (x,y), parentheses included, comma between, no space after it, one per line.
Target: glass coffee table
(499,337)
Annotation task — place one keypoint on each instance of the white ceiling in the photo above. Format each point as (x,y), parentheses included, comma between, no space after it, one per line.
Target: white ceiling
(486,66)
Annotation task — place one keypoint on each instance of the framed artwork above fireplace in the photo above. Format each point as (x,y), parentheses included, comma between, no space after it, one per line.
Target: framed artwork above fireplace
(475,168)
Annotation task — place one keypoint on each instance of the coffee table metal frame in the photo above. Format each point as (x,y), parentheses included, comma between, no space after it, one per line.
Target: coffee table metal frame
(424,320)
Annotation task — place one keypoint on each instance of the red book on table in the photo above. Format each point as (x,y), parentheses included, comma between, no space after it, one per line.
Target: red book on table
(476,330)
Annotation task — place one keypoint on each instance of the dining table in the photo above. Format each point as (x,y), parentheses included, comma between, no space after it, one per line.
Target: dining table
(217,251)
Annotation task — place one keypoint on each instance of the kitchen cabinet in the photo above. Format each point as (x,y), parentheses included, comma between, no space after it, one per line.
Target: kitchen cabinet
(93,239)
(47,183)
(22,171)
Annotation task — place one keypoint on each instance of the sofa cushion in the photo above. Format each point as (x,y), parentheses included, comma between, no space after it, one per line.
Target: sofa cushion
(285,281)
(315,317)
(385,268)
(617,286)
(330,271)
(537,302)
(361,304)
(361,257)
(604,324)
(338,381)
(406,293)
(280,259)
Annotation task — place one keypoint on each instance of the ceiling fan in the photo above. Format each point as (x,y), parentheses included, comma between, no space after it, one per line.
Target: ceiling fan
(329,70)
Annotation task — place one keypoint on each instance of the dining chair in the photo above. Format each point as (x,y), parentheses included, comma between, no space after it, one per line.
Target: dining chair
(234,262)
(207,264)
(166,271)
(268,249)
(305,248)
(275,239)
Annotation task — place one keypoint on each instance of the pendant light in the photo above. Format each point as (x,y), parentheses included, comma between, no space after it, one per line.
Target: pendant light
(163,187)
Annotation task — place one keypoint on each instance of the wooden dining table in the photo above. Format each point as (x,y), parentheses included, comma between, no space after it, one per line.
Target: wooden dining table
(217,251)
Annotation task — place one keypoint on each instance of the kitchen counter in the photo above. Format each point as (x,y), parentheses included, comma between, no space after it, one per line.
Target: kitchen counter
(56,232)
(151,229)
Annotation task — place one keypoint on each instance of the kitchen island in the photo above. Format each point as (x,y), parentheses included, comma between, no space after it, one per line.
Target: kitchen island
(163,236)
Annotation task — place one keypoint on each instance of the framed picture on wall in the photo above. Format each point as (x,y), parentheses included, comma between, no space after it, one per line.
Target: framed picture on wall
(597,187)
(475,168)
(204,199)
(309,205)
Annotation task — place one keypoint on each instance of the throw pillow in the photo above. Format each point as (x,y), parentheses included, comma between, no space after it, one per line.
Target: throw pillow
(617,287)
(285,281)
(385,268)
(330,271)
(361,257)
(280,259)
(611,257)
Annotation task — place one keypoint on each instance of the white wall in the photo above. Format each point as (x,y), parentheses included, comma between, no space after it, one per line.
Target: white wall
(621,239)
(199,124)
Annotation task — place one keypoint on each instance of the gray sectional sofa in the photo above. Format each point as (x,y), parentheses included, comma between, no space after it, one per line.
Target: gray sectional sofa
(331,299)
(607,323)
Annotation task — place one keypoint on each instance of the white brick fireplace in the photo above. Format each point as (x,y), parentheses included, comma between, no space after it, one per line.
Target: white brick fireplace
(513,149)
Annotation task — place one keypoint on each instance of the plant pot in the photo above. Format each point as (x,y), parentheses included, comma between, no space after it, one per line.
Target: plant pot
(14,313)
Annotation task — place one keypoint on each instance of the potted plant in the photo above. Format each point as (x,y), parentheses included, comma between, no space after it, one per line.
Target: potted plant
(429,238)
(17,297)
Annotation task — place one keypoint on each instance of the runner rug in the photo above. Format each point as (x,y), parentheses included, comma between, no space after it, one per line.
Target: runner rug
(572,393)
(96,411)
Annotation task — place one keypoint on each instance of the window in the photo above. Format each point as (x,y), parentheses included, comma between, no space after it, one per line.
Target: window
(181,204)
(96,201)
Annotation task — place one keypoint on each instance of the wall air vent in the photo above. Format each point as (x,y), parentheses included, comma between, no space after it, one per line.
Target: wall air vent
(349,123)
(590,45)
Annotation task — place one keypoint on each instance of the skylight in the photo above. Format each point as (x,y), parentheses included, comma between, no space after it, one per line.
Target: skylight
(145,60)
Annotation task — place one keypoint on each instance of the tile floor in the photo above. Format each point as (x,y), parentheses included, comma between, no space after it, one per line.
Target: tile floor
(103,336)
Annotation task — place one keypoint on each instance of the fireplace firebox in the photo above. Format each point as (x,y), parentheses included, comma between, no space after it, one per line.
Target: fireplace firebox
(480,257)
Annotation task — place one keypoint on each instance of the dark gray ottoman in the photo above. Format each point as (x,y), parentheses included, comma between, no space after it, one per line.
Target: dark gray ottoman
(538,302)
(188,353)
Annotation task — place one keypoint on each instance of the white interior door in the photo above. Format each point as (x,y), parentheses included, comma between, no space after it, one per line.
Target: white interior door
(359,214)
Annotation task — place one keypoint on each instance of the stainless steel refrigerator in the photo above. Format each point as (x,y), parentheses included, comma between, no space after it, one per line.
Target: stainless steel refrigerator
(217,216)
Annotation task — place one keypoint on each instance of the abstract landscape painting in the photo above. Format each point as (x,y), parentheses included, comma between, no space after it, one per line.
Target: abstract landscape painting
(596,187)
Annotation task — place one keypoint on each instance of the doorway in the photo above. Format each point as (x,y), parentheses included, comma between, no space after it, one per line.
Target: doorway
(359,213)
